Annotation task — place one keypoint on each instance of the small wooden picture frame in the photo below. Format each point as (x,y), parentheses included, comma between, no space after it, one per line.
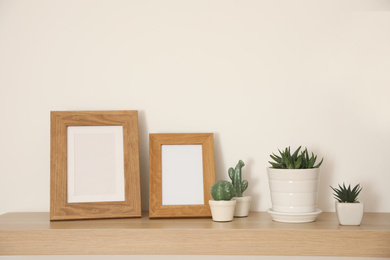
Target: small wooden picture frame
(181,173)
(94,165)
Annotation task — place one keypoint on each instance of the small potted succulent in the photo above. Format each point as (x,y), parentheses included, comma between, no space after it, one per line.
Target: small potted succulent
(243,202)
(222,207)
(293,181)
(349,209)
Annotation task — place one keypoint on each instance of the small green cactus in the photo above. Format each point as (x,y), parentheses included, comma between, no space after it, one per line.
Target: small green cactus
(235,176)
(222,190)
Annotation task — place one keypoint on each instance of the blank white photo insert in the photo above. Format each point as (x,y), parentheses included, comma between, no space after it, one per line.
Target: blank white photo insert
(95,164)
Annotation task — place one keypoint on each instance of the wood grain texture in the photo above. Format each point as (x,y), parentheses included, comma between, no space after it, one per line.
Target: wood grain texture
(59,208)
(156,209)
(34,234)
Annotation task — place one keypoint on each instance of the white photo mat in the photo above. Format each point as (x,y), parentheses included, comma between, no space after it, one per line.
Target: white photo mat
(95,166)
(182,175)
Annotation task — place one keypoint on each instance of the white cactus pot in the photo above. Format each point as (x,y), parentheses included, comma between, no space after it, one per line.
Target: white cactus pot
(349,213)
(222,210)
(242,206)
(293,190)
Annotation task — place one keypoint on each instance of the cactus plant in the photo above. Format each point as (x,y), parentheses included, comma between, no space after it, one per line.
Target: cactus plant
(294,161)
(346,195)
(235,176)
(222,190)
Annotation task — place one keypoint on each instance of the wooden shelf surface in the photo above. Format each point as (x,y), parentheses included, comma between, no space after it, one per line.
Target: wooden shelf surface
(257,234)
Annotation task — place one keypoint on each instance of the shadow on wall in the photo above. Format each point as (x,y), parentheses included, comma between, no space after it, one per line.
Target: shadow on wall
(326,179)
(370,196)
(221,169)
(248,174)
(218,159)
(144,159)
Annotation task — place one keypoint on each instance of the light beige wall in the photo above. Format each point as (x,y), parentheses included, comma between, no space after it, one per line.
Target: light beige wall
(261,75)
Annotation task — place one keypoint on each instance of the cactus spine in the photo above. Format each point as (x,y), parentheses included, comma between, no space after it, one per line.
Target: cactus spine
(235,176)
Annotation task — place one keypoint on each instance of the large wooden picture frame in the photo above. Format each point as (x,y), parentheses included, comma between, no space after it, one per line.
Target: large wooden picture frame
(181,173)
(94,165)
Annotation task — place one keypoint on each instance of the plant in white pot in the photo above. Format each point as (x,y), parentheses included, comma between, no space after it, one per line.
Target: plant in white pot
(349,209)
(293,181)
(243,202)
(222,207)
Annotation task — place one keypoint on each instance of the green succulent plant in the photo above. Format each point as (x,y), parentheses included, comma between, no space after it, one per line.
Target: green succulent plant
(235,176)
(222,190)
(346,195)
(297,160)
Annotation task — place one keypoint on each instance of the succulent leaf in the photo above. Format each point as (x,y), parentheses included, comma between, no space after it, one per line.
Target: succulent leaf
(296,153)
(275,165)
(344,194)
(298,160)
(319,164)
(276,158)
(298,163)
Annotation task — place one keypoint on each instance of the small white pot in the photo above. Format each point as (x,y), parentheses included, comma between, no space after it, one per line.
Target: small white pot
(293,190)
(242,206)
(222,210)
(349,213)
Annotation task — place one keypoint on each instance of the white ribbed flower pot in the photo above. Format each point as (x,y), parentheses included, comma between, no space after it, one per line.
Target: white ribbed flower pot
(349,213)
(242,206)
(222,210)
(293,190)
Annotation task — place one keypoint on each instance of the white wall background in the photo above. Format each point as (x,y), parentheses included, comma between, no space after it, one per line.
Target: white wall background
(260,75)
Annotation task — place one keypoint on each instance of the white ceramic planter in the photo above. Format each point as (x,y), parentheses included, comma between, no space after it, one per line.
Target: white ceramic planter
(294,217)
(349,213)
(222,210)
(293,190)
(242,206)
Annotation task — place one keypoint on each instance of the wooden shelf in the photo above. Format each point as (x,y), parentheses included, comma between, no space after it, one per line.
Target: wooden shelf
(34,234)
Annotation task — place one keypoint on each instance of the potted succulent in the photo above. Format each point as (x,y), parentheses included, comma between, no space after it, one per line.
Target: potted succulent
(243,202)
(293,181)
(222,207)
(349,209)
